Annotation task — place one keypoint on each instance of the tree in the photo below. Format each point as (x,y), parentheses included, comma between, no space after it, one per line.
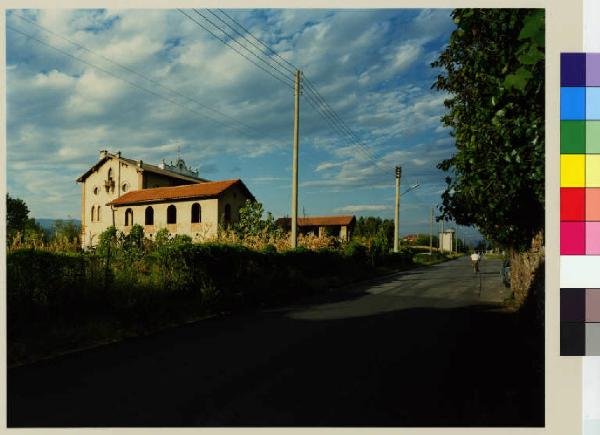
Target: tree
(493,69)
(17,215)
(371,227)
(19,226)
(251,222)
(68,230)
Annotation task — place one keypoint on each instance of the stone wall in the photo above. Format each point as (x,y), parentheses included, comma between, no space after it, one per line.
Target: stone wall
(524,266)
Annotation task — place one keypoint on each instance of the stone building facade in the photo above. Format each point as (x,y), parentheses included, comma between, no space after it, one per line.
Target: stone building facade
(122,192)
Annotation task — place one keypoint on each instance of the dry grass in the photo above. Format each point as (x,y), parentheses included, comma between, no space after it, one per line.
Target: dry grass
(280,241)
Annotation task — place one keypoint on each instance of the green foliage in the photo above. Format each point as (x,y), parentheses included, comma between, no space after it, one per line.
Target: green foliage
(370,228)
(493,69)
(108,241)
(251,221)
(20,228)
(423,240)
(162,237)
(17,215)
(65,229)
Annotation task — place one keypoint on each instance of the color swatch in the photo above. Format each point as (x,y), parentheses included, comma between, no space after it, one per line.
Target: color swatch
(580,196)
(579,321)
(580,154)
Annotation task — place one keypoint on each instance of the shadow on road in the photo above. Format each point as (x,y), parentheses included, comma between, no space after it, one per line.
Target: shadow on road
(470,366)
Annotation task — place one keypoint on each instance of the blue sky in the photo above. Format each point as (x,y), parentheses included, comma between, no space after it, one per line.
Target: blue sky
(372,66)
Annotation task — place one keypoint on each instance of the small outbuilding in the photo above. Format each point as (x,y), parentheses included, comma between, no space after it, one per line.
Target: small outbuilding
(340,227)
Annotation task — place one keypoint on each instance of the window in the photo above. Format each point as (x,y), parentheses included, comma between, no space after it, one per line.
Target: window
(196,213)
(227,214)
(93,209)
(125,187)
(96,190)
(149,218)
(128,217)
(109,173)
(98,213)
(171,215)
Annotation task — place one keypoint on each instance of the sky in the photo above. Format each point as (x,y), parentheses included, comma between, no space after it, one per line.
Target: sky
(150,83)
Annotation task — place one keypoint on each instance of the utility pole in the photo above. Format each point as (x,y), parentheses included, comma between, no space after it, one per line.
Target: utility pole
(294,241)
(431,233)
(442,238)
(456,238)
(397,209)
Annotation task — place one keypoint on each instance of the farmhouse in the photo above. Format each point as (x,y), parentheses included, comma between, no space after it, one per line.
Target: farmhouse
(122,192)
(337,226)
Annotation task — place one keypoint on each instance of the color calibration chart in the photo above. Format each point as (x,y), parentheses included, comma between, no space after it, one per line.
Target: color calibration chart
(580,200)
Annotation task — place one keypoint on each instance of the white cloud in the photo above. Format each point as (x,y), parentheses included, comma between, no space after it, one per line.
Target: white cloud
(365,207)
(61,111)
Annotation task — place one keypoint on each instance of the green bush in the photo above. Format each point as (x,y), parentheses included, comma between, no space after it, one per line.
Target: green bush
(126,285)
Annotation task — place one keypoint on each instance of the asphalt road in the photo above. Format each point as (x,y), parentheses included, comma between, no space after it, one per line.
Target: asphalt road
(427,347)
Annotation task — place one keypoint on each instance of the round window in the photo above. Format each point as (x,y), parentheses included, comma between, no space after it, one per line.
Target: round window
(125,187)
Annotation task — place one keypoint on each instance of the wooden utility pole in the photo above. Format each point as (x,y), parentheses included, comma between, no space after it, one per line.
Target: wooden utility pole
(431,233)
(397,209)
(294,241)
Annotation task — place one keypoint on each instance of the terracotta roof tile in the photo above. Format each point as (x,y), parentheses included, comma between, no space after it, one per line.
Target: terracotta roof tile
(201,190)
(318,221)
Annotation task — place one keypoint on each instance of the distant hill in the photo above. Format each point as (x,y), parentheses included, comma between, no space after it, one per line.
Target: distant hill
(47,223)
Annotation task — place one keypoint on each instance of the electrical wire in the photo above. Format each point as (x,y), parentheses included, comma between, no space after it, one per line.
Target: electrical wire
(284,75)
(130,70)
(284,66)
(170,100)
(235,49)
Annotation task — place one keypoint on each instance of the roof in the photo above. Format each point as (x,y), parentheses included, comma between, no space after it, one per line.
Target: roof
(209,189)
(143,167)
(321,221)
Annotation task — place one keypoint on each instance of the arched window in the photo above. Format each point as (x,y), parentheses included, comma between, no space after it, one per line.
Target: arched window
(227,214)
(93,209)
(128,217)
(149,220)
(109,173)
(196,213)
(171,215)
(98,213)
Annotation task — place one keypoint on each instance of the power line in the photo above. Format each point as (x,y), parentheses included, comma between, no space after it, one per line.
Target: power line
(235,49)
(233,39)
(327,117)
(313,96)
(126,68)
(294,67)
(311,88)
(170,100)
(284,66)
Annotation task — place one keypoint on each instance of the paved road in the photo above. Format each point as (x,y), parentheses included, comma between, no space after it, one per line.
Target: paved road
(419,348)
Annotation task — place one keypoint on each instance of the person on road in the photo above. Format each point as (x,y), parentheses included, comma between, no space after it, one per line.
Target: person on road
(475,261)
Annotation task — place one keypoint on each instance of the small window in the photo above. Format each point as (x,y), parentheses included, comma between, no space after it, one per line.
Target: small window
(149,216)
(125,187)
(109,173)
(96,190)
(93,209)
(98,213)
(128,217)
(171,215)
(196,213)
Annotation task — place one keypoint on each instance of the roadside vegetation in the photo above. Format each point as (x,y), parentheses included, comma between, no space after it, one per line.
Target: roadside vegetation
(61,297)
(495,110)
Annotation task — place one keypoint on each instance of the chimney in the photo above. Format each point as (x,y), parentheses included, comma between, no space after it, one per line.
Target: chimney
(140,163)
(119,154)
(103,153)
